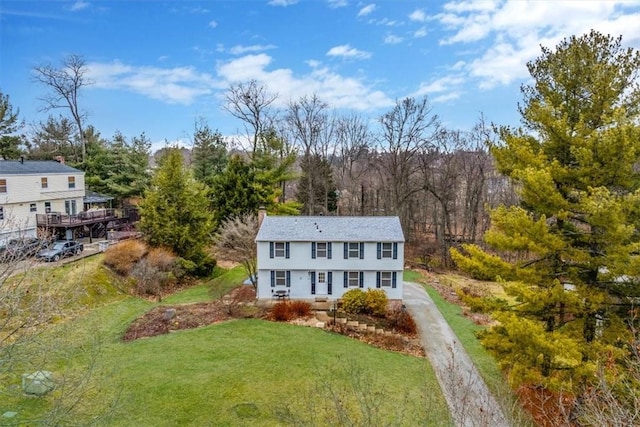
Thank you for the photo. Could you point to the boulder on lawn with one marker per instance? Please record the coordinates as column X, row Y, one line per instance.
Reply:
column 37, row 384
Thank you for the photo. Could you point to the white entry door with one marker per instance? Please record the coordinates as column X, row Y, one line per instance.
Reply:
column 321, row 283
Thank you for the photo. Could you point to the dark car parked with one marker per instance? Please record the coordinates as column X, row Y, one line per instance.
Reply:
column 60, row 249
column 19, row 249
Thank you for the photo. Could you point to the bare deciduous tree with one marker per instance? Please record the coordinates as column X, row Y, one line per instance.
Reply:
column 251, row 103
column 312, row 128
column 236, row 242
column 64, row 84
column 406, row 131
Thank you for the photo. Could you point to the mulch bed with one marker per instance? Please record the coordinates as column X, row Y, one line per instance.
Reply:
column 164, row 319
column 167, row 318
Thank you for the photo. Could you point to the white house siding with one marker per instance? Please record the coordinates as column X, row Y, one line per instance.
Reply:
column 24, row 189
column 301, row 266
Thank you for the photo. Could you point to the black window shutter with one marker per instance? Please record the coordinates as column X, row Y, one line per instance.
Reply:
column 379, row 250
column 329, row 250
column 361, row 281
column 346, row 279
column 273, row 278
column 330, row 283
column 313, row 283
column 270, row 249
column 346, row 250
column 361, row 250
column 313, row 250
column 286, row 250
column 394, row 279
column 377, row 279
column 288, row 279
column 395, row 251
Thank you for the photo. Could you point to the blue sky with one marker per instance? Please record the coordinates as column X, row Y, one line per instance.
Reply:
column 157, row 66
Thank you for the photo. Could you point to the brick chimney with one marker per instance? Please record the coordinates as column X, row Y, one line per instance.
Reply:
column 59, row 159
column 262, row 212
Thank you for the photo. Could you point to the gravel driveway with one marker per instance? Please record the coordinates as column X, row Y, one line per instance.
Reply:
column 470, row 401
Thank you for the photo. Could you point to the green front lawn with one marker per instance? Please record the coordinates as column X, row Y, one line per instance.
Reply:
column 242, row 372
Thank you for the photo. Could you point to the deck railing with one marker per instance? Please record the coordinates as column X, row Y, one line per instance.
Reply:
column 86, row 217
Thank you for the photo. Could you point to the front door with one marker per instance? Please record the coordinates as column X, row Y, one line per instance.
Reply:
column 321, row 283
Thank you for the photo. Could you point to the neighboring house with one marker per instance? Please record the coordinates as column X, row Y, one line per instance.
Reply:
column 322, row 257
column 31, row 187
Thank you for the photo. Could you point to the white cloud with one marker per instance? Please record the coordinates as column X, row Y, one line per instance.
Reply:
column 179, row 85
column 393, row 39
column 213, row 24
column 79, row 5
column 346, row 51
column 420, row 32
column 505, row 35
column 283, row 3
column 241, row 50
column 367, row 10
column 337, row 3
column 337, row 90
column 418, row 15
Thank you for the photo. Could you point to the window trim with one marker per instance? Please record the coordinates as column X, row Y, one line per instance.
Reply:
column 44, row 182
column 3, row 185
column 33, row 207
column 71, row 181
column 353, row 250
column 387, row 250
column 351, row 279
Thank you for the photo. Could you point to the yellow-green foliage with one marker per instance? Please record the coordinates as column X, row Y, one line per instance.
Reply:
column 353, row 301
column 480, row 304
column 525, row 350
column 479, row 264
column 376, row 301
column 514, row 229
column 357, row 301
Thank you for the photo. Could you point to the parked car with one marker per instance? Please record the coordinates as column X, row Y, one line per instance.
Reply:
column 60, row 249
column 19, row 249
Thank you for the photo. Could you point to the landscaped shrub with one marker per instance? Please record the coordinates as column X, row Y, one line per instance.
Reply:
column 161, row 258
column 354, row 301
column 400, row 320
column 124, row 255
column 281, row 312
column 376, row 302
column 300, row 308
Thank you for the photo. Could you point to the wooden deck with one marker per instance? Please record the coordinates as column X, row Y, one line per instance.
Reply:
column 58, row 219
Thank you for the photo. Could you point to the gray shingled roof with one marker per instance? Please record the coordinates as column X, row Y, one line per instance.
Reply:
column 331, row 228
column 16, row 167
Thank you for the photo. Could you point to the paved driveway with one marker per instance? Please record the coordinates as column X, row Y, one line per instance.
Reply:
column 470, row 401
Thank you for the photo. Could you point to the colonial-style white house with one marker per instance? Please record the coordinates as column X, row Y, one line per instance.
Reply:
column 30, row 187
column 322, row 257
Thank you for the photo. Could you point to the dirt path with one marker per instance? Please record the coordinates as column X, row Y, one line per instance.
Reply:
column 470, row 401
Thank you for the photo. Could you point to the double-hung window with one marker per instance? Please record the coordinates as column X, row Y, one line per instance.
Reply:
column 44, row 182
column 353, row 250
column 3, row 185
column 72, row 181
column 321, row 250
column 387, row 250
column 386, row 279
column 280, row 278
column 278, row 249
column 353, row 279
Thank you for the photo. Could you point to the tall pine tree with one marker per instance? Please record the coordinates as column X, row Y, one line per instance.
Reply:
column 566, row 252
column 175, row 212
